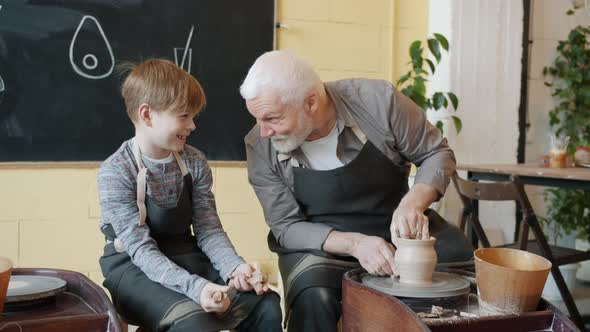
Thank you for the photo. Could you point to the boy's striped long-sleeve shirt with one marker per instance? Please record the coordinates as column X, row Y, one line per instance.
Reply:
column 117, row 189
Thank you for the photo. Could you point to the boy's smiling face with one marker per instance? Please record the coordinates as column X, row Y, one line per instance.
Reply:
column 167, row 131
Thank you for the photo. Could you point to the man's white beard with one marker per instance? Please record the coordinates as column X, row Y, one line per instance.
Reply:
column 288, row 143
column 285, row 143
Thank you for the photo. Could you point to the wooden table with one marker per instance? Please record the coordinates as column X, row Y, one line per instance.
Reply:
column 83, row 306
column 532, row 174
column 529, row 174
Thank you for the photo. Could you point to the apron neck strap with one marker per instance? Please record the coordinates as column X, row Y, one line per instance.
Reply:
column 137, row 154
column 181, row 164
column 359, row 133
column 141, row 183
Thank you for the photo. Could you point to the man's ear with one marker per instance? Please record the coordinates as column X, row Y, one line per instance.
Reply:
column 144, row 114
column 312, row 102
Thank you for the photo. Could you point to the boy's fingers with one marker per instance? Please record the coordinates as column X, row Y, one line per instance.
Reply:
column 243, row 283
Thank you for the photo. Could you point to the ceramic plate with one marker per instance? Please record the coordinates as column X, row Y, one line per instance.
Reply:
column 33, row 287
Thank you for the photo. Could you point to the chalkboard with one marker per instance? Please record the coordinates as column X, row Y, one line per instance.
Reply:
column 59, row 88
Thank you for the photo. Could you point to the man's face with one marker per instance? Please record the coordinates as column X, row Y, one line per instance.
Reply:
column 286, row 126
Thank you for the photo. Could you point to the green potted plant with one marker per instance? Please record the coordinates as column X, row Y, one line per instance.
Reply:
column 569, row 210
column 413, row 83
column 570, row 83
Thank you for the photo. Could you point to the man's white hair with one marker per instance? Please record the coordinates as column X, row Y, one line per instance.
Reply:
column 283, row 73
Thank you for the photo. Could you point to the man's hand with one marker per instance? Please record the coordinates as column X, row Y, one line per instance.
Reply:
column 409, row 223
column 375, row 255
column 214, row 298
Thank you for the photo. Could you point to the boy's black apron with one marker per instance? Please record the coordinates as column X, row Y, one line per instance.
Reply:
column 149, row 304
column 358, row 197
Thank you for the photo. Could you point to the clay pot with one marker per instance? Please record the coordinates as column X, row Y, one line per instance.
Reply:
column 415, row 260
column 5, row 271
column 509, row 280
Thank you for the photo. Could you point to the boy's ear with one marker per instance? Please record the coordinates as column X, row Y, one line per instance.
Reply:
column 144, row 114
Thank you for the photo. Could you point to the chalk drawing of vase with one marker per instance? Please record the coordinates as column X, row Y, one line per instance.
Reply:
column 89, row 67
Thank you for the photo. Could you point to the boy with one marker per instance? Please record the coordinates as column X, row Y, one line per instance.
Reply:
column 152, row 190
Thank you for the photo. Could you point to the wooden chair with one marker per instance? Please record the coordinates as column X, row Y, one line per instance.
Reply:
column 471, row 192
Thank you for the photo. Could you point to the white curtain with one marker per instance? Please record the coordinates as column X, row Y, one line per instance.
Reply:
column 483, row 70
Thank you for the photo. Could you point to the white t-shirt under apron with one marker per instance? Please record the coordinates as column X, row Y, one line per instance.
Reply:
column 321, row 153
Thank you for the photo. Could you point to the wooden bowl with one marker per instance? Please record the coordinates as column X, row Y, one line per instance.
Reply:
column 5, row 272
column 509, row 280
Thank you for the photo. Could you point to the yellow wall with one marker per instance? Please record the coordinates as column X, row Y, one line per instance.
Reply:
column 411, row 23
column 49, row 215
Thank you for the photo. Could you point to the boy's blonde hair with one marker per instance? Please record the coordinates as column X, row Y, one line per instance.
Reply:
column 163, row 86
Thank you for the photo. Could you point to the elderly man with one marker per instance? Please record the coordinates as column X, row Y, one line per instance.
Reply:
column 329, row 163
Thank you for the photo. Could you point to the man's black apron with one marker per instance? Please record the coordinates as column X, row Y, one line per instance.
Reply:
column 149, row 304
column 358, row 197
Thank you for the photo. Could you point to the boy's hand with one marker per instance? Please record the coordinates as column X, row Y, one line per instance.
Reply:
column 246, row 278
column 240, row 277
column 214, row 298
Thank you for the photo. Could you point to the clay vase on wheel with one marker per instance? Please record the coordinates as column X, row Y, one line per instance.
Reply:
column 415, row 260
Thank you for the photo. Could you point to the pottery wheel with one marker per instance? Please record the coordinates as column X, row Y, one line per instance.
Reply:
column 443, row 285
column 33, row 287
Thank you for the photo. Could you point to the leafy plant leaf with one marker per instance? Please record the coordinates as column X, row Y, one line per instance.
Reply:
column 434, row 47
column 458, row 123
column 417, row 62
column 438, row 100
column 431, row 65
column 416, row 50
column 454, row 100
column 439, row 125
column 443, row 41
column 420, row 71
column 404, row 78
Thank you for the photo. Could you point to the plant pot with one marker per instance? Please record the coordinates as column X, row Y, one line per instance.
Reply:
column 551, row 292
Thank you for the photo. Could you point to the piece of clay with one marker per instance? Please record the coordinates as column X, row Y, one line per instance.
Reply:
column 436, row 310
column 258, row 280
column 427, row 315
column 218, row 296
column 467, row 314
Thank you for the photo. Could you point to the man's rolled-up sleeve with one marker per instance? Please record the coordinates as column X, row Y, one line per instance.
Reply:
column 421, row 143
column 281, row 210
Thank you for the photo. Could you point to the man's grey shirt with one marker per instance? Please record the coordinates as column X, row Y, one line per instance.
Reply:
column 391, row 121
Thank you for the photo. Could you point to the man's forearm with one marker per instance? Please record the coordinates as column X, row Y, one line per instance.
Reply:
column 419, row 197
column 342, row 243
